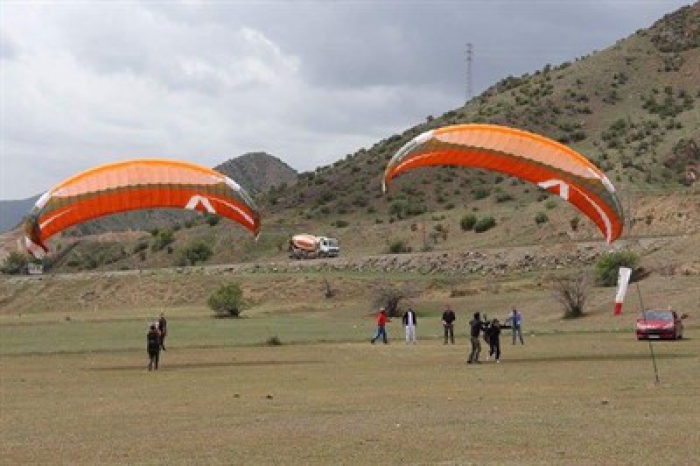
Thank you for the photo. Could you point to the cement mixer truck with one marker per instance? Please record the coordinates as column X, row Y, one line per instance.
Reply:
column 310, row 247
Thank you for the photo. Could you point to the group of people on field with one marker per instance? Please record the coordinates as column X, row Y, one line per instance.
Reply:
column 155, row 341
column 489, row 330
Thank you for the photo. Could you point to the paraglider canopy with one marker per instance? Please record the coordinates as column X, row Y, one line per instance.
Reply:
column 135, row 185
column 528, row 156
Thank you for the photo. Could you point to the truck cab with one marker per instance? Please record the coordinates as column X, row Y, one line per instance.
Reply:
column 328, row 247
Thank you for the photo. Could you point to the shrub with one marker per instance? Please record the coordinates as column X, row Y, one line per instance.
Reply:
column 608, row 264
column 398, row 208
column 481, row 193
column 399, row 246
column 571, row 292
column 484, row 224
column 14, row 264
column 162, row 239
column 467, row 223
column 541, row 218
column 550, row 204
column 504, row 197
column 391, row 296
column 575, row 222
column 197, row 251
column 227, row 301
column 341, row 223
column 273, row 341
column 212, row 219
column 140, row 246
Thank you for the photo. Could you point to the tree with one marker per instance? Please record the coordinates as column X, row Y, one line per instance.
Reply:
column 571, row 291
column 608, row 264
column 391, row 296
column 227, row 301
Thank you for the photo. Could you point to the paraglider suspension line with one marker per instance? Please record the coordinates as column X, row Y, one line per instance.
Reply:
column 651, row 346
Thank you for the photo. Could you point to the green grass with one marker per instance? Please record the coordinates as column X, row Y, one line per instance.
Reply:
column 129, row 334
column 563, row 399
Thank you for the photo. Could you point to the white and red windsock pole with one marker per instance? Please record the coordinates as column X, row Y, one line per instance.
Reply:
column 623, row 279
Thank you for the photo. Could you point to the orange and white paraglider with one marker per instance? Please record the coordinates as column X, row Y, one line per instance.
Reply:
column 134, row 185
column 531, row 157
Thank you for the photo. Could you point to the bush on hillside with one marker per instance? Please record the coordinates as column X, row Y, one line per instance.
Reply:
column 162, row 239
column 467, row 223
column 399, row 246
column 212, row 219
column 197, row 251
column 484, row 224
column 481, row 193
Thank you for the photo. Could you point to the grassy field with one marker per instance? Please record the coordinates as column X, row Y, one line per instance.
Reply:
column 77, row 392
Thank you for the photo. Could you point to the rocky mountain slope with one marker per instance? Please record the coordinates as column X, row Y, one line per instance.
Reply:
column 258, row 172
column 11, row 212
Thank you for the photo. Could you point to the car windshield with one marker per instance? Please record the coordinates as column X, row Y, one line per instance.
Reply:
column 658, row 315
column 333, row 243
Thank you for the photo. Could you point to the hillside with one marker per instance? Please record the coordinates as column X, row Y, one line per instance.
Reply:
column 11, row 212
column 258, row 172
column 633, row 108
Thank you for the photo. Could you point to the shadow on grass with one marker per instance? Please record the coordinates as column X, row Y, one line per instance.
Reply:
column 203, row 365
column 597, row 357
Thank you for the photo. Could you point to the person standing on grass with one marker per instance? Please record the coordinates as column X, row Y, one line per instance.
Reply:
column 409, row 323
column 516, row 323
column 448, row 320
column 475, row 328
column 493, row 332
column 163, row 329
column 153, row 347
column 381, row 327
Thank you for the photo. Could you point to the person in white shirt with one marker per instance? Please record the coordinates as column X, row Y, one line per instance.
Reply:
column 409, row 323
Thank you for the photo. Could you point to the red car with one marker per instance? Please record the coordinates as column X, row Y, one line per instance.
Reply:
column 660, row 325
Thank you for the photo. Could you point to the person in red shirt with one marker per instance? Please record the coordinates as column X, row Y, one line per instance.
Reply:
column 381, row 327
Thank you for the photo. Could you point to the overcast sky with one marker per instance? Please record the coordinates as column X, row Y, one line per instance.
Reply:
column 85, row 83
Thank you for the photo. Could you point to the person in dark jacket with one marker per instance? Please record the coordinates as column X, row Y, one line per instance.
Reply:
column 475, row 328
column 409, row 323
column 448, row 319
column 493, row 333
column 163, row 329
column 153, row 347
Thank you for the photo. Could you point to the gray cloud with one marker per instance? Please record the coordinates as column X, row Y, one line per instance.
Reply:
column 308, row 81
